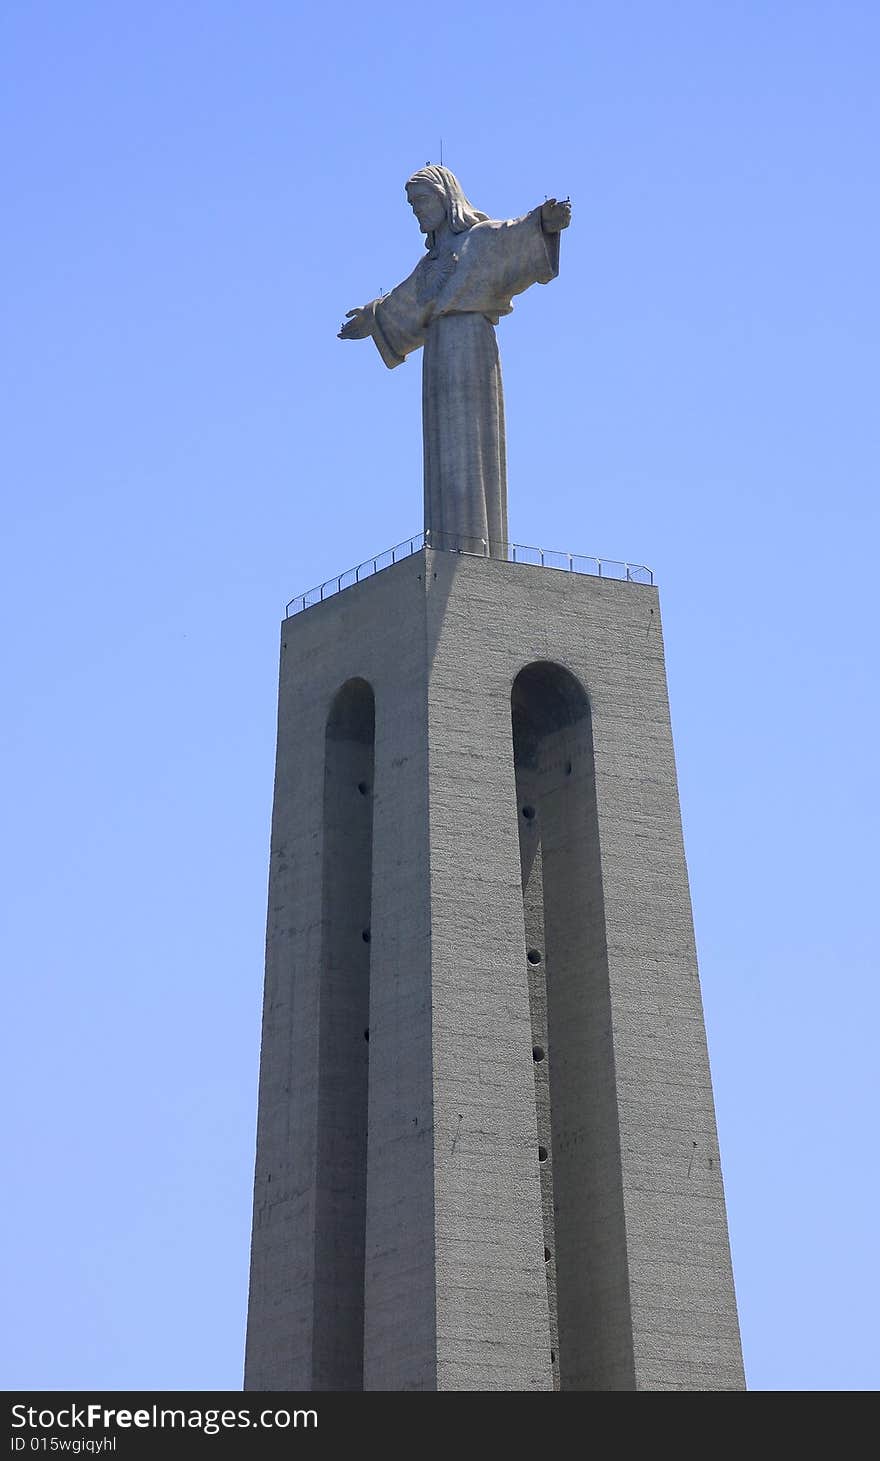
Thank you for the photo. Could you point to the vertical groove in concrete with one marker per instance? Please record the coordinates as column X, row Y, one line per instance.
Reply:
column 531, row 862
column 584, row 1230
column 343, row 1045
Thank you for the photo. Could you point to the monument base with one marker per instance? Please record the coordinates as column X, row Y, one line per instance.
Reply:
column 486, row 1154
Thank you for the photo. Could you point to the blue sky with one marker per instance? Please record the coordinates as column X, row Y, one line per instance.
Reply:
column 196, row 193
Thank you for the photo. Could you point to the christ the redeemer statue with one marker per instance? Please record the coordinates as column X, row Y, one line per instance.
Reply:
column 451, row 303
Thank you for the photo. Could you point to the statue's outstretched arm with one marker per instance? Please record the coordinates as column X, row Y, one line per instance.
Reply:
column 555, row 215
column 394, row 320
column 364, row 322
column 360, row 324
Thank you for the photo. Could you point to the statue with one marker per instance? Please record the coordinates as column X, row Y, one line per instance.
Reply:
column 450, row 304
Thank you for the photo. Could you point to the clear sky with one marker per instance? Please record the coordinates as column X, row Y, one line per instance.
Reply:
column 195, row 193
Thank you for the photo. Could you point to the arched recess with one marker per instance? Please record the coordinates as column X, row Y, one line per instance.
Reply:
column 567, row 970
column 343, row 1050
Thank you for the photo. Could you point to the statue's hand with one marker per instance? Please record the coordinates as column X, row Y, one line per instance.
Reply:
column 555, row 216
column 359, row 325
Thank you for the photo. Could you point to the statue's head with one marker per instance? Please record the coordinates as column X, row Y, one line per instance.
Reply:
column 435, row 195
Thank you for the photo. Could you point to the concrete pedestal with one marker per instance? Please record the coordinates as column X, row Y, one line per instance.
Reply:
column 486, row 1154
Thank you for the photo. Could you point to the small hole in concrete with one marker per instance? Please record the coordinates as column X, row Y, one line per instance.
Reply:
column 533, row 956
column 568, row 768
column 537, row 1053
column 553, row 1356
column 528, row 812
column 367, row 1036
column 363, row 788
column 542, row 1154
column 547, row 1255
column 366, row 935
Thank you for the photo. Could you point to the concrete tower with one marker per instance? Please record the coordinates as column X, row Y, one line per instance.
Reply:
column 486, row 1152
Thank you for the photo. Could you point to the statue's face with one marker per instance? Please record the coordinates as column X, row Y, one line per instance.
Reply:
column 427, row 205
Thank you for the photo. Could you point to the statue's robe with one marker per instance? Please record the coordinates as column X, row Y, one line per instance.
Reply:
column 450, row 304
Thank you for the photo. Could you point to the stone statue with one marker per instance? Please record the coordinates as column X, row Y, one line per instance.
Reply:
column 450, row 304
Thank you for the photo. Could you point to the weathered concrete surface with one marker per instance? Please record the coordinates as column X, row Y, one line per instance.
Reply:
column 455, row 1288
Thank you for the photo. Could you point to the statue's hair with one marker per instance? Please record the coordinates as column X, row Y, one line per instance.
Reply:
column 461, row 214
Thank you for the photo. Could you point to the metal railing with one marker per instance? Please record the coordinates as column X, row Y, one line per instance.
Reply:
column 471, row 548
